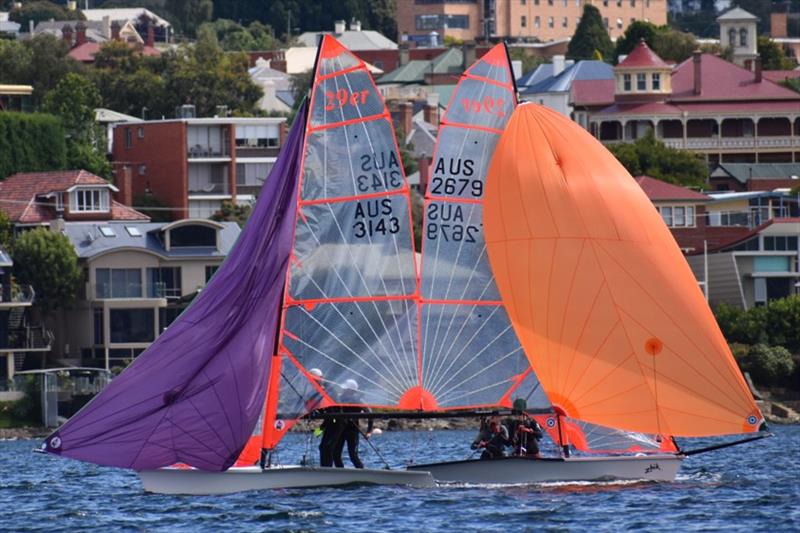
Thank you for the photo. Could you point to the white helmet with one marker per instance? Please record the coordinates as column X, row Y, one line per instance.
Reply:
column 315, row 373
column 350, row 384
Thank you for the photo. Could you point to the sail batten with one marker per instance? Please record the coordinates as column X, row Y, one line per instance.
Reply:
column 600, row 296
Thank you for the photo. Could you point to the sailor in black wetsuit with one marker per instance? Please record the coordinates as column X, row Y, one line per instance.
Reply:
column 493, row 438
column 351, row 430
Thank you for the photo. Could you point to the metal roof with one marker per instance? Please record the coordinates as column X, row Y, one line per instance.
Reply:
column 582, row 70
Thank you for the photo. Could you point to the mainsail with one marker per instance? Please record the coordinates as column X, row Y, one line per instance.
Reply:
column 470, row 353
column 601, row 298
column 349, row 310
column 195, row 395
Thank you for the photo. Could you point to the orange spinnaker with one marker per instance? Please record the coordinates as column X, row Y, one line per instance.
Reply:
column 604, row 304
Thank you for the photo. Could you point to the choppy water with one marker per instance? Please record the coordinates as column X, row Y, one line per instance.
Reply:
column 754, row 487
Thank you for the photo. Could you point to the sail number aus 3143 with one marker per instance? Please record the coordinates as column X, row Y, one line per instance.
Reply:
column 375, row 217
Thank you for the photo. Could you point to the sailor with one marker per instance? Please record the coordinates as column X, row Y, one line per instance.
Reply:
column 492, row 438
column 526, row 432
column 314, row 398
column 351, row 431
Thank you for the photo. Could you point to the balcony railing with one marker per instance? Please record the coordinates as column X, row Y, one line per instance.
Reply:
column 32, row 338
column 208, row 187
column 199, row 151
column 730, row 143
column 16, row 294
column 108, row 291
column 749, row 218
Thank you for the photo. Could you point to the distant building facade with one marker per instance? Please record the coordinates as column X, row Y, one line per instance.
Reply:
column 544, row 20
column 194, row 164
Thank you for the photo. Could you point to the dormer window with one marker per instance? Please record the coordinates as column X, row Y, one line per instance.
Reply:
column 656, row 81
column 626, row 82
column 641, row 81
column 89, row 201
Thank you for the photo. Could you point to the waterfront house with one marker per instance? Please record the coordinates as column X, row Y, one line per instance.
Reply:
column 23, row 343
column 138, row 277
column 739, row 177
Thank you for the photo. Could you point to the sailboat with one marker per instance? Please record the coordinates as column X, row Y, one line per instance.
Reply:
column 321, row 305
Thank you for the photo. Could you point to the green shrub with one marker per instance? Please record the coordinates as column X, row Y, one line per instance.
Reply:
column 770, row 365
column 30, row 142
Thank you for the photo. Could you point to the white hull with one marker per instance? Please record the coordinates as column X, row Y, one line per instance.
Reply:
column 520, row 470
column 200, row 482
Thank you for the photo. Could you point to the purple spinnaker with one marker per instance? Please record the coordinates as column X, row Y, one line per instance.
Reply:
column 195, row 395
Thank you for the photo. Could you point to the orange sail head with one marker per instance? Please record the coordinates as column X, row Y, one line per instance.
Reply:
column 604, row 304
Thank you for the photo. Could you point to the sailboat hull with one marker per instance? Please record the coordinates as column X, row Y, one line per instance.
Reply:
column 200, row 482
column 521, row 470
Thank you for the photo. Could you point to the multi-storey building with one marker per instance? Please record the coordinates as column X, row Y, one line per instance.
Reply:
column 705, row 104
column 542, row 20
column 194, row 164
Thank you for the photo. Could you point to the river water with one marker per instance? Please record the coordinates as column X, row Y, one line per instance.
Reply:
column 753, row 487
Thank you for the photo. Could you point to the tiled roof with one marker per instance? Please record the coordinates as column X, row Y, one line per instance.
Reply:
column 85, row 52
column 18, row 195
column 648, row 108
column 661, row 190
column 642, row 57
column 722, row 80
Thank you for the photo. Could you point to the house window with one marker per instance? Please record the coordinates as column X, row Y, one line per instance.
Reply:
column 118, row 283
column 549, row 2
column 619, row 23
column 550, row 22
column 641, row 82
column 565, row 22
column 633, row 3
column 666, row 214
column 192, row 235
column 210, row 271
column 164, row 282
column 743, row 37
column 262, row 136
column 626, row 82
column 619, row 3
column 537, row 23
column 107, row 231
column 676, row 216
column 605, row 3
column 523, row 21
column 522, row 2
column 566, row 2
column 89, row 201
column 605, row 22
column 59, row 201
column 128, row 138
column 141, row 133
column 732, row 37
column 656, row 81
column 132, row 325
column 142, row 170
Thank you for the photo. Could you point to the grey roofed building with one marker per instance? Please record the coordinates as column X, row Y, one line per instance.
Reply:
column 449, row 62
column 562, row 82
column 422, row 137
column 91, row 239
column 97, row 31
column 737, row 13
column 744, row 172
column 354, row 39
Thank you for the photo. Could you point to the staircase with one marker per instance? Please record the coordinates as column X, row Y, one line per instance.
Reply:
column 15, row 318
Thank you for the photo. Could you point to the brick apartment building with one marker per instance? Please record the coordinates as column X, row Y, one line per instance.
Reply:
column 194, row 164
column 542, row 20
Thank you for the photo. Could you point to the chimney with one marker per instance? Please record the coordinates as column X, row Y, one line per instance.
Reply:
column 80, row 33
column 339, row 26
column 106, row 30
column 151, row 34
column 355, row 25
column 758, row 69
column 115, row 30
column 424, row 165
column 469, row 53
column 406, row 112
column 430, row 114
column 124, row 183
column 696, row 60
column 404, row 53
column 558, row 64
column 66, row 31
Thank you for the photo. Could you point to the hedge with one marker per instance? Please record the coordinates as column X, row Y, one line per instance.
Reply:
column 31, row 142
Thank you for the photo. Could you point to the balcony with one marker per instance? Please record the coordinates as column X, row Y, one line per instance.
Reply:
column 12, row 295
column 209, row 179
column 28, row 339
column 108, row 291
column 199, row 151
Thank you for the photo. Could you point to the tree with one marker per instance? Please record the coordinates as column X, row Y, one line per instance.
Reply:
column 529, row 62
column 772, row 55
column 6, row 230
column 652, row 157
column 31, row 142
column 636, row 31
column 56, row 286
column 232, row 212
column 74, row 100
column 590, row 35
column 669, row 44
column 189, row 15
column 40, row 11
column 150, row 205
column 769, row 365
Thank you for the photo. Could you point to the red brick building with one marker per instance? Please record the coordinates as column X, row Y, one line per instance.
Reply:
column 194, row 164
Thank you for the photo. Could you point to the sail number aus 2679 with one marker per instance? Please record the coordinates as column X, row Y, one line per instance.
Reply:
column 374, row 217
column 446, row 221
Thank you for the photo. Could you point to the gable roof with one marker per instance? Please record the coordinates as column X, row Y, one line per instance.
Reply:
column 743, row 172
column 18, row 195
column 642, row 57
column 737, row 13
column 451, row 61
column 352, row 40
column 722, row 80
column 124, row 13
column 661, row 190
column 582, row 70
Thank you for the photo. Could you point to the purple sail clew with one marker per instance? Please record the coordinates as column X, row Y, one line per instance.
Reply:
column 195, row 395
